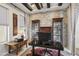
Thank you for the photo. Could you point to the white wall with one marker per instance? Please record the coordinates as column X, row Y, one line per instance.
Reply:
column 77, row 34
column 69, row 29
column 11, row 10
column 71, row 16
column 77, row 27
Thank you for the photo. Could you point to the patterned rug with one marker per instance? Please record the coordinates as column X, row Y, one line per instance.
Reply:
column 39, row 51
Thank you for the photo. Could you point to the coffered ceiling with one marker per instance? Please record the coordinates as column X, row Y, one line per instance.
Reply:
column 42, row 7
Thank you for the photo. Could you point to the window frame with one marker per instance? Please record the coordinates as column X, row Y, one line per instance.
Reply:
column 7, row 25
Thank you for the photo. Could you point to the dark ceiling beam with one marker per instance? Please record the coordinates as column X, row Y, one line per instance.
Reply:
column 41, row 5
column 37, row 5
column 48, row 5
column 59, row 4
column 27, row 6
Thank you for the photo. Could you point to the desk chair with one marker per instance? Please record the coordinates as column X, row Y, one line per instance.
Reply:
column 44, row 40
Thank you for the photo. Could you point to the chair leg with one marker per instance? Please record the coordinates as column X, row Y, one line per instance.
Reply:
column 58, row 52
column 9, row 49
column 46, row 51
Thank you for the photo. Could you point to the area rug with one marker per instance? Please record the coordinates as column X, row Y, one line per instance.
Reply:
column 39, row 51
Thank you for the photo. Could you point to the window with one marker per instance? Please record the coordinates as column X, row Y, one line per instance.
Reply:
column 35, row 28
column 22, row 25
column 57, row 30
column 3, row 33
column 3, row 24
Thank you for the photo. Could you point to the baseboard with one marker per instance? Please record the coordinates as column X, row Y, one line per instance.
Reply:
column 65, row 49
column 4, row 54
column 67, row 52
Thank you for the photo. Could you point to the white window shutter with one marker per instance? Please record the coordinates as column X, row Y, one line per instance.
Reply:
column 3, row 16
column 3, row 24
column 21, row 21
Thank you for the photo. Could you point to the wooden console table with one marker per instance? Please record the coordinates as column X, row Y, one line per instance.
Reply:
column 16, row 46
